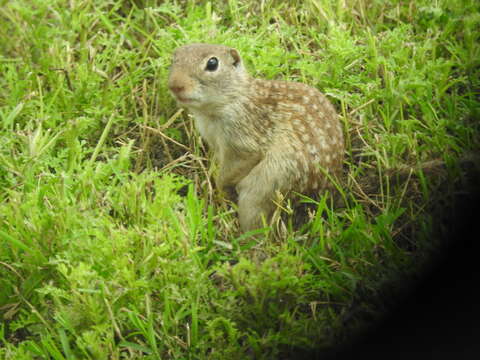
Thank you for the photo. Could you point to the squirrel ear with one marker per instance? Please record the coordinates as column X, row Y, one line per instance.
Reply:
column 236, row 57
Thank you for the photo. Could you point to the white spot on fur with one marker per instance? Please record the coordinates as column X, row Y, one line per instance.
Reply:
column 312, row 149
column 323, row 144
column 319, row 132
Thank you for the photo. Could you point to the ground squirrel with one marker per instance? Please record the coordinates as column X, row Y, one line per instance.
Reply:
column 269, row 137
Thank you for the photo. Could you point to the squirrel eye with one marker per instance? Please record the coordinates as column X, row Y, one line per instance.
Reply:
column 212, row 64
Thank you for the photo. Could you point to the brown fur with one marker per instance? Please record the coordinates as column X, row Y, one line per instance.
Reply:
column 268, row 136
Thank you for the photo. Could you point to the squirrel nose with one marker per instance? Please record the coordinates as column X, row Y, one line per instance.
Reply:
column 176, row 88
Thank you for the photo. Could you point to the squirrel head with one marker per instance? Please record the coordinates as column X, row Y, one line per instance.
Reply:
column 203, row 75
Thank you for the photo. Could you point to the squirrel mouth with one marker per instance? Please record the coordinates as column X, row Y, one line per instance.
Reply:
column 183, row 99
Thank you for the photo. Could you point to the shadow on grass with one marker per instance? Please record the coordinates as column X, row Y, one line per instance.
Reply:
column 436, row 312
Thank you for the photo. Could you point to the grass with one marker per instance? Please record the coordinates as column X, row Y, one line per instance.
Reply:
column 113, row 240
